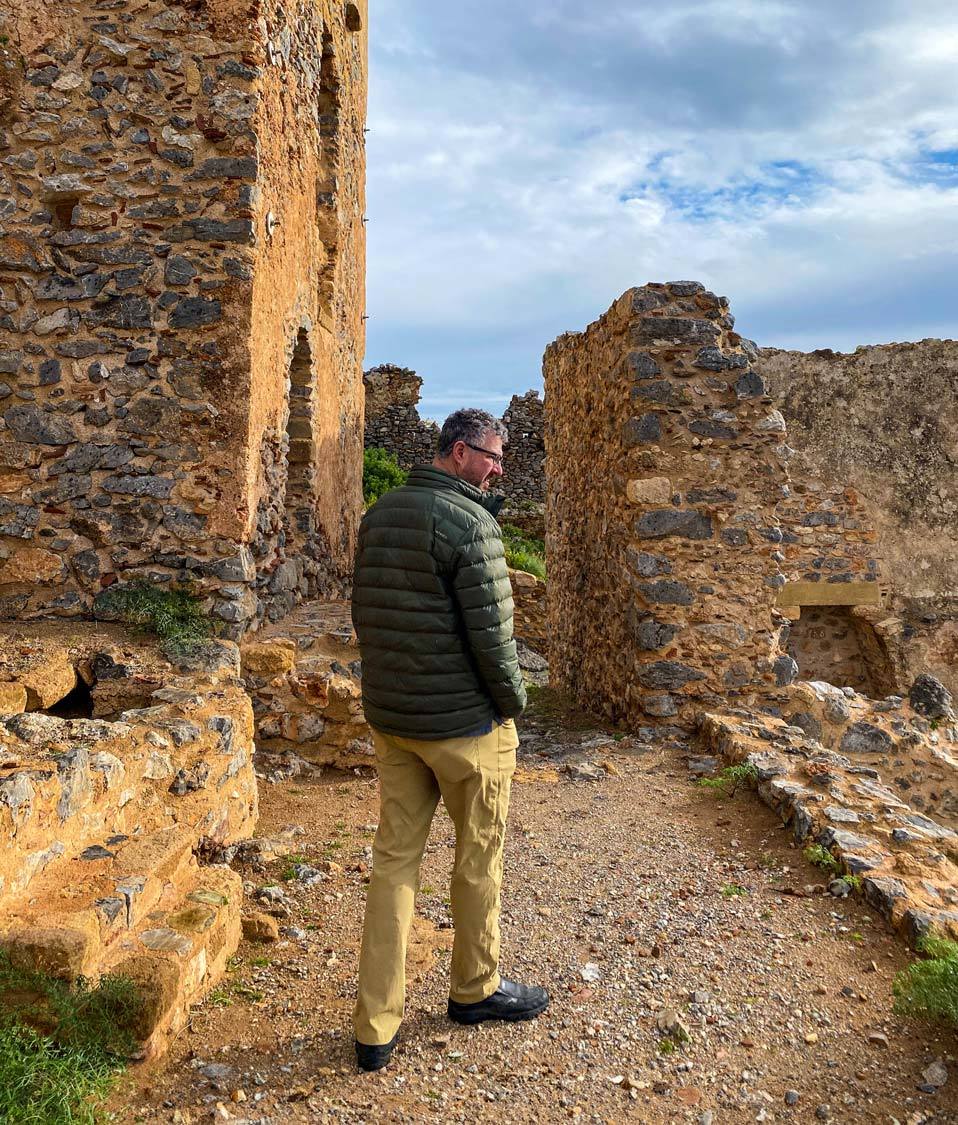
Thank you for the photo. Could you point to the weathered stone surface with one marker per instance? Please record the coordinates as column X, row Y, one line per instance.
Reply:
column 132, row 239
column 651, row 490
column 651, row 634
column 864, row 738
column 13, row 699
column 929, row 697
column 647, row 565
column 668, row 522
column 31, row 565
column 670, row 674
column 667, row 591
column 32, row 425
column 268, row 658
column 642, row 430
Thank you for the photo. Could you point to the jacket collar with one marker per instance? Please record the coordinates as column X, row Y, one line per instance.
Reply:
column 428, row 476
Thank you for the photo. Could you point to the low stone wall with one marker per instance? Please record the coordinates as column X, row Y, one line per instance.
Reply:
column 303, row 676
column 100, row 817
column 873, row 784
column 392, row 420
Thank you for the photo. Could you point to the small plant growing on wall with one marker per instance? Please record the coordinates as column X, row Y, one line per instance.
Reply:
column 175, row 616
column 823, row 858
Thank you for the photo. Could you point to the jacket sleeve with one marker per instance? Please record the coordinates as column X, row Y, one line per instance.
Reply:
column 484, row 595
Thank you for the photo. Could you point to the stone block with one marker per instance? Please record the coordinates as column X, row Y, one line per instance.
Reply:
column 650, row 490
column 822, row 593
column 13, row 698
column 32, row 566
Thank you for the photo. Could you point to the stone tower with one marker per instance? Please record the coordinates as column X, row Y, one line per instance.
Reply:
column 181, row 301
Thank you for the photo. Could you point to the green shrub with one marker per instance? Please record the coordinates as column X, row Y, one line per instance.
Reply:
column 928, row 989
column 823, row 858
column 731, row 779
column 381, row 472
column 175, row 616
column 524, row 552
column 61, row 1046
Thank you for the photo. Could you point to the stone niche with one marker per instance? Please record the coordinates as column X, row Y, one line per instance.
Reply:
column 181, row 301
column 666, row 468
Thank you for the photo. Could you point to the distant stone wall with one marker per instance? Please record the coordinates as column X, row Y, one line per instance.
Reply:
column 666, row 470
column 181, row 300
column 392, row 420
column 882, row 423
column 525, row 473
column 393, row 423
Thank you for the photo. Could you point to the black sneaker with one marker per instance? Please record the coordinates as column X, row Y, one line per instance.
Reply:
column 510, row 1001
column 375, row 1057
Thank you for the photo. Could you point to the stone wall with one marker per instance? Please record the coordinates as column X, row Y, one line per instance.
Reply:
column 181, row 289
column 393, row 423
column 392, row 419
column 525, row 476
column 883, row 421
column 663, row 533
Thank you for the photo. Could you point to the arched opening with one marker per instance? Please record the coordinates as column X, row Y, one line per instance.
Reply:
column 299, row 500
column 354, row 19
column 835, row 644
column 327, row 185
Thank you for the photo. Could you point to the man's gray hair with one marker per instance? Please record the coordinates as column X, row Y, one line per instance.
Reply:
column 469, row 425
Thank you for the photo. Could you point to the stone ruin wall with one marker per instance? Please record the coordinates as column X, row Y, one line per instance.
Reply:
column 393, row 423
column 524, row 481
column 664, row 569
column 883, row 419
column 392, row 420
column 181, row 291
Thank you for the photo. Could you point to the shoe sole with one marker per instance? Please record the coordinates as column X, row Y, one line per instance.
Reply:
column 508, row 1017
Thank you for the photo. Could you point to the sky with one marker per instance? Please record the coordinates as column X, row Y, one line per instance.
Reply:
column 529, row 162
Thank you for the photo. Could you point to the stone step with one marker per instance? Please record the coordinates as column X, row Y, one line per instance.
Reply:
column 178, row 954
column 72, row 914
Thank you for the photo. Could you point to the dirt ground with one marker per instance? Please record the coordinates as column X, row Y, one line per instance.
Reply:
column 639, row 900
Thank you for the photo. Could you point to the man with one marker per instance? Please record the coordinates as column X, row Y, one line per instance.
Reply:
column 432, row 606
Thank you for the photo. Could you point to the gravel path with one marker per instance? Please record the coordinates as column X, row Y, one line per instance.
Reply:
column 693, row 979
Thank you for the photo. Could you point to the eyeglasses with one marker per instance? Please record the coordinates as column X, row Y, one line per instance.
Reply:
column 496, row 458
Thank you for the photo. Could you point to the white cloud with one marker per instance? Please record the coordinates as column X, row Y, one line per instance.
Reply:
column 527, row 164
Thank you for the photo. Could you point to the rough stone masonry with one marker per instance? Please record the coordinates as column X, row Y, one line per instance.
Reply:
column 393, row 423
column 663, row 531
column 181, row 300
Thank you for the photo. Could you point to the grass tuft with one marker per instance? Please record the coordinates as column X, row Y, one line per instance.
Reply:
column 928, row 989
column 523, row 552
column 175, row 616
column 61, row 1046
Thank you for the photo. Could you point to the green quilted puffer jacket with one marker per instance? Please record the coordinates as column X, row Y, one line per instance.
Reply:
column 432, row 607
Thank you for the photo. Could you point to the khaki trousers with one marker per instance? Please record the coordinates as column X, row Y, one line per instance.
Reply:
column 473, row 776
